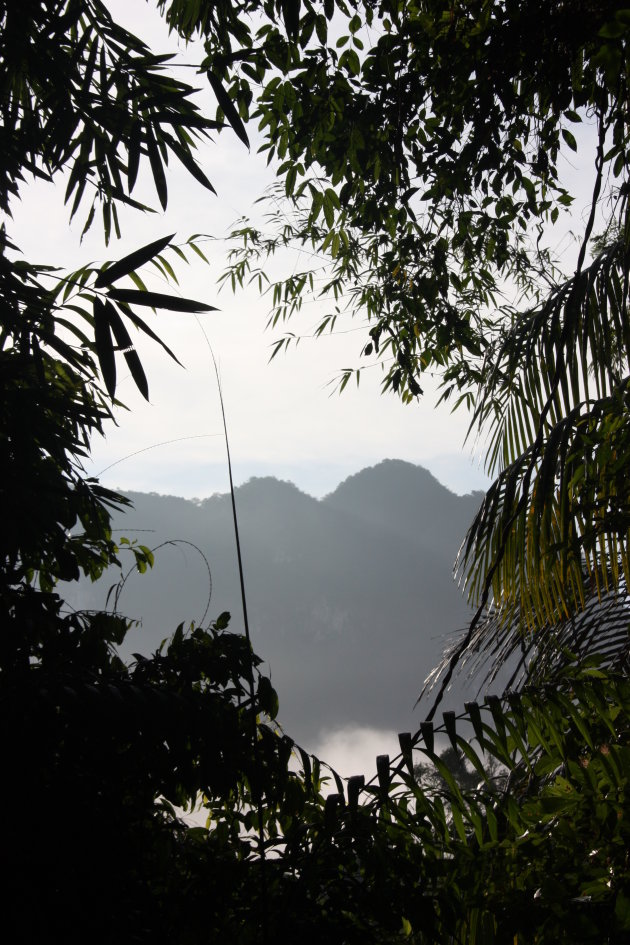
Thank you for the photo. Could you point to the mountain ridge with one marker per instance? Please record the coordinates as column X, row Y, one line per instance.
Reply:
column 350, row 597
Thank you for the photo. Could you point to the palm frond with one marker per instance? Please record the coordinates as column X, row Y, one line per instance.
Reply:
column 555, row 524
column 600, row 634
column 573, row 347
column 555, row 521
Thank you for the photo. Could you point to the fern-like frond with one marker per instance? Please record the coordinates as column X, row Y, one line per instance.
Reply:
column 573, row 347
column 554, row 526
column 600, row 633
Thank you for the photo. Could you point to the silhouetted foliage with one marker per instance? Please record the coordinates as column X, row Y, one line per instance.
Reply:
column 424, row 149
column 469, row 101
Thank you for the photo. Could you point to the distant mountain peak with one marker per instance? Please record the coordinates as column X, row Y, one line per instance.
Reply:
column 350, row 597
column 256, row 483
column 388, row 471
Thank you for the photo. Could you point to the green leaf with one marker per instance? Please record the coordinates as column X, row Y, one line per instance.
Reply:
column 406, row 749
column 158, row 300
column 142, row 325
column 622, row 910
column 569, row 138
column 189, row 163
column 126, row 345
column 449, row 724
column 104, row 346
column 133, row 159
column 426, row 729
column 289, row 184
column 620, row 163
column 350, row 60
column 130, row 263
column 291, row 17
column 458, row 822
column 329, row 211
column 157, row 169
column 197, row 250
column 227, row 107
column 306, row 767
column 267, row 697
column 474, row 714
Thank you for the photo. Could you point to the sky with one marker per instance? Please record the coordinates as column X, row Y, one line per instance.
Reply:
column 283, row 418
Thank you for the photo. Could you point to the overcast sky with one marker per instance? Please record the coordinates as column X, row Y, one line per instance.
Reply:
column 283, row 419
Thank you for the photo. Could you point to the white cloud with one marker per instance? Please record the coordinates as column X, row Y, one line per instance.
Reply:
column 353, row 750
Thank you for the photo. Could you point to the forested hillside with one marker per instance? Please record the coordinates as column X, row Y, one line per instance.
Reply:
column 351, row 598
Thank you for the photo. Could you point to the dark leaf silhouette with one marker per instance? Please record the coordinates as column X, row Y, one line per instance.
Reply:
column 159, row 300
column 131, row 262
column 227, row 106
column 104, row 345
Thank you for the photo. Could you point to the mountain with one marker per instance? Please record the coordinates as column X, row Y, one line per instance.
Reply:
column 350, row 598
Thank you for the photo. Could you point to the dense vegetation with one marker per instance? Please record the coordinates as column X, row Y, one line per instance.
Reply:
column 420, row 147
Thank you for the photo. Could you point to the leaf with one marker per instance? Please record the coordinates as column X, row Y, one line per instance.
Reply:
column 329, row 211
column 104, row 346
column 228, row 108
column 382, row 770
column 291, row 16
column 427, row 734
column 126, row 345
column 406, row 747
column 474, row 714
column 289, row 185
column 267, row 697
column 189, row 163
column 157, row 169
column 130, row 263
column 118, row 194
column 142, row 325
column 158, row 300
column 458, row 822
column 622, row 910
column 196, row 249
column 330, row 809
column 133, row 159
column 449, row 724
column 350, row 60
column 306, row 767
column 356, row 783
column 569, row 138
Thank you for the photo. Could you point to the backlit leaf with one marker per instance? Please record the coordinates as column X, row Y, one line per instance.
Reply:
column 159, row 300
column 131, row 262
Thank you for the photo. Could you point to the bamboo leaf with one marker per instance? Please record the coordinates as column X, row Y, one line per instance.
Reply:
column 104, row 346
column 227, row 107
column 158, row 300
column 157, row 169
column 189, row 163
column 142, row 325
column 126, row 345
column 130, row 263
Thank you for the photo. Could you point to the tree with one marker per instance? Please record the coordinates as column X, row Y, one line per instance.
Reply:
column 422, row 149
column 99, row 752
